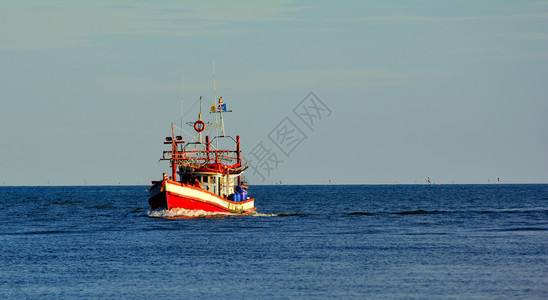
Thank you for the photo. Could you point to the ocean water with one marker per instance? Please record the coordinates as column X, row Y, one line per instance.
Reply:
column 351, row 242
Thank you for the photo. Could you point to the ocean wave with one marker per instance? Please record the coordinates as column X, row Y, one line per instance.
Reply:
column 40, row 232
column 458, row 211
column 287, row 215
column 416, row 212
column 524, row 229
column 405, row 212
column 512, row 210
column 256, row 214
column 359, row 213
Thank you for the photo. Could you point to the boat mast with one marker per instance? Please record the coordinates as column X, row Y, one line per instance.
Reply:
column 200, row 118
column 182, row 90
column 222, row 123
column 216, row 104
column 174, row 154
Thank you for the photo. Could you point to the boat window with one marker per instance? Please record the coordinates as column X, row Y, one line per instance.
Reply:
column 212, row 179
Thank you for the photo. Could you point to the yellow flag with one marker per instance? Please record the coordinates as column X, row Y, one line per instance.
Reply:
column 212, row 108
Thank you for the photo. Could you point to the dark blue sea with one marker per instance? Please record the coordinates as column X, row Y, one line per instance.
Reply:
column 349, row 242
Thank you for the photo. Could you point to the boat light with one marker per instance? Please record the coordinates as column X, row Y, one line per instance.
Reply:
column 168, row 139
column 179, row 138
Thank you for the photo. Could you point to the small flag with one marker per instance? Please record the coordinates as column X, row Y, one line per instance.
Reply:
column 221, row 100
column 221, row 107
column 212, row 108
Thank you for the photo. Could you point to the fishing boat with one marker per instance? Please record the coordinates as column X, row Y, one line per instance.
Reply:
column 206, row 171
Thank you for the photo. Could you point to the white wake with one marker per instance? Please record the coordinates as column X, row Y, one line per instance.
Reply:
column 181, row 213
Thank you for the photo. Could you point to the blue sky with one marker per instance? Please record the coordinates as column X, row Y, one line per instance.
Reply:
column 451, row 90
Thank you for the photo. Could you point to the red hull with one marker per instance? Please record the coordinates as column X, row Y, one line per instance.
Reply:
column 171, row 196
column 177, row 201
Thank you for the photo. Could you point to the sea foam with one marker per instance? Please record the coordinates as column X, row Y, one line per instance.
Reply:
column 181, row 213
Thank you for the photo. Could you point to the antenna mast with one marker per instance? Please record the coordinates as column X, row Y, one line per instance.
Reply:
column 200, row 118
column 182, row 90
column 214, row 89
column 217, row 102
column 222, row 123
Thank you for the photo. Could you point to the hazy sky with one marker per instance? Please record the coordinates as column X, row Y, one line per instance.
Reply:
column 452, row 90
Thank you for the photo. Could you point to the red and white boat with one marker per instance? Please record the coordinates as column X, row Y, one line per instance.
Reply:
column 206, row 173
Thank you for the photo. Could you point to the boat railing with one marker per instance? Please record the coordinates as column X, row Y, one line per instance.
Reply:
column 199, row 154
column 224, row 157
